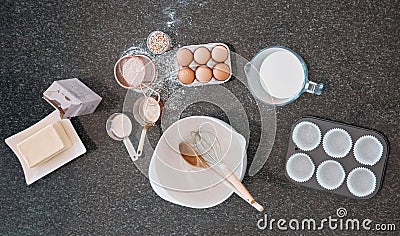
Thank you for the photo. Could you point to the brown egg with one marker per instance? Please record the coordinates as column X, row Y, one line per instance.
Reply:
column 203, row 74
column 219, row 53
column 221, row 71
column 186, row 75
column 202, row 55
column 184, row 57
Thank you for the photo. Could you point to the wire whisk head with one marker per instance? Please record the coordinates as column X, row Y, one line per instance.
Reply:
column 207, row 144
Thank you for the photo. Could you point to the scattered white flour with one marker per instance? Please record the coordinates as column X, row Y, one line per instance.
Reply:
column 137, row 49
column 170, row 14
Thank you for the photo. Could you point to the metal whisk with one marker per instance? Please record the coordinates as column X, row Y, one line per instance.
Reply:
column 208, row 145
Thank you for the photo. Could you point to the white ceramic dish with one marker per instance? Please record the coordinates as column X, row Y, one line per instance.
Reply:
column 35, row 173
column 191, row 195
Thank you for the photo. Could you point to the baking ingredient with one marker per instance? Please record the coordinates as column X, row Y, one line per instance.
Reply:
column 44, row 144
column 282, row 75
column 186, row 75
column 221, row 71
column 219, row 53
column 133, row 71
column 146, row 110
column 72, row 98
column 202, row 55
column 184, row 57
column 203, row 74
column 152, row 110
column 121, row 125
column 158, row 42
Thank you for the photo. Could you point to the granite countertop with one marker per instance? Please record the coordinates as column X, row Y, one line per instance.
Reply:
column 351, row 45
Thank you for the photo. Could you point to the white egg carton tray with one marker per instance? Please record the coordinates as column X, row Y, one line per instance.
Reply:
column 211, row 63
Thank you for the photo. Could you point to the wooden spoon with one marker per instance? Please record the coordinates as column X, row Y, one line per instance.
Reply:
column 192, row 157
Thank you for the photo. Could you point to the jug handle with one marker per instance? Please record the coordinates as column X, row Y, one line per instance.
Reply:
column 314, row 88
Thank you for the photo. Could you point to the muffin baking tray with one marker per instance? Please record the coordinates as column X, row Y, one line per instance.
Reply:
column 336, row 157
column 210, row 61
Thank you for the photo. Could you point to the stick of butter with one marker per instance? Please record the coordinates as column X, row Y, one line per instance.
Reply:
column 44, row 144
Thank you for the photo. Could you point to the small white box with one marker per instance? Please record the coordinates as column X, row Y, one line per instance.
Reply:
column 72, row 98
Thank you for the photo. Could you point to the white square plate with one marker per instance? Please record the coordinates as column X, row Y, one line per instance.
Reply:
column 37, row 172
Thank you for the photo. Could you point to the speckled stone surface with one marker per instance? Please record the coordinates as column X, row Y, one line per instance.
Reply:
column 352, row 45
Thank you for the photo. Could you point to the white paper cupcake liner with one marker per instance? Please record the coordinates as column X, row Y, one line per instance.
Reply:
column 361, row 182
column 300, row 167
column 306, row 135
column 330, row 174
column 368, row 150
column 337, row 143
